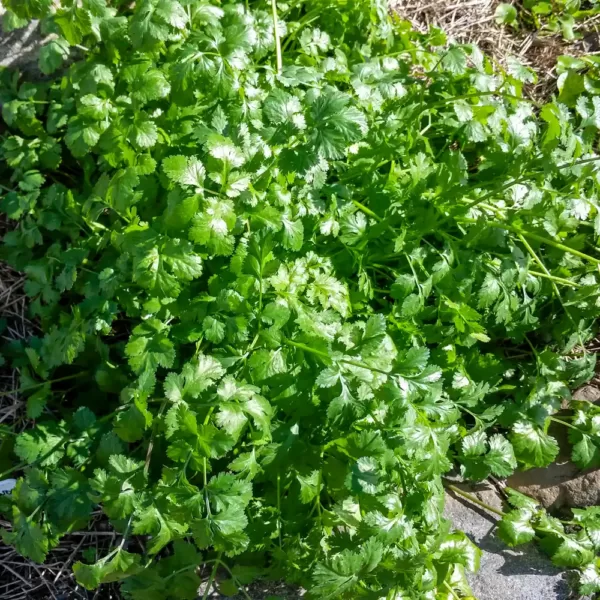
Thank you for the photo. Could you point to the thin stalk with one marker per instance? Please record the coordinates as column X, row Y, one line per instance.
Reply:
column 212, row 576
column 538, row 260
column 52, row 450
column 452, row 592
column 561, row 422
column 125, row 534
column 499, row 190
column 353, row 363
column 318, row 498
column 578, row 163
column 245, row 594
column 542, row 239
column 372, row 214
column 367, row 211
column 306, row 20
column 477, row 95
column 279, row 511
column 475, row 500
column 278, row 54
column 556, row 279
column 152, row 436
column 38, row 385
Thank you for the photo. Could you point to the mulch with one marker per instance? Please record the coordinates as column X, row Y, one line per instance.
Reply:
column 473, row 21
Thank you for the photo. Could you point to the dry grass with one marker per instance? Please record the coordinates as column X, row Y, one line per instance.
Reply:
column 22, row 579
column 16, row 326
column 473, row 21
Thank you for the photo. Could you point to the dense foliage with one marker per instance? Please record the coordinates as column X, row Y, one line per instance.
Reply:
column 291, row 264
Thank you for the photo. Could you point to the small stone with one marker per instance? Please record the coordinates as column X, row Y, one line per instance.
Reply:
column 561, row 485
column 588, row 392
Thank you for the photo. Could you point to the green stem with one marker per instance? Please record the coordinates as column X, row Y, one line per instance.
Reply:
column 475, row 500
column 367, row 211
column 556, row 279
column 38, row 385
column 577, row 163
column 542, row 240
column 452, row 592
column 152, row 436
column 561, row 422
column 538, row 260
column 52, row 450
column 497, row 191
column 212, row 576
column 307, row 19
column 353, row 363
column 238, row 583
column 372, row 214
column 318, row 498
column 279, row 511
column 278, row 54
column 477, row 95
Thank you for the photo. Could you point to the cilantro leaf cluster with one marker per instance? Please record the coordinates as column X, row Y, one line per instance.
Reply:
column 291, row 265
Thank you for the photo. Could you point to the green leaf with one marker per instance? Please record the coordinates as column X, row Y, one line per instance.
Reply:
column 474, row 444
column 151, row 520
column 81, row 137
column 224, row 531
column 214, row 330
column 573, row 553
column 121, row 565
column 143, row 133
column 184, row 170
column 455, row 60
column 586, row 452
column 506, row 14
column 45, row 441
column 335, row 124
column 310, row 486
column 571, row 86
column 589, row 581
column 532, row 446
column 195, row 377
column 37, row 401
column 154, row 21
column 150, row 348
column 363, row 476
column 212, row 227
column 293, row 234
column 53, row 55
column 338, row 576
column 27, row 537
column 458, row 548
column 164, row 267
column 500, row 457
column 515, row 527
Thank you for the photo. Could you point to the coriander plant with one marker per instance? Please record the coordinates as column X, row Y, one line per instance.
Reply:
column 291, row 265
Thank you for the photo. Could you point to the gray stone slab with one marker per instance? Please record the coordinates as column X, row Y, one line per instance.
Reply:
column 19, row 48
column 505, row 573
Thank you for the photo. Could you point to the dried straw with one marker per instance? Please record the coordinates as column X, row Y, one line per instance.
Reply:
column 473, row 21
